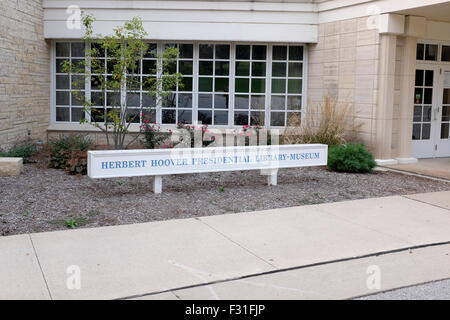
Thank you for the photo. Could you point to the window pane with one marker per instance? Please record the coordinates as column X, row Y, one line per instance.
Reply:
column 205, row 84
column 221, row 84
column 186, row 84
column 258, row 69
column 62, row 114
column 416, row 131
column 97, row 98
column 222, row 68
column 205, row 101
column 445, row 131
column 205, row 67
column 242, row 85
column 295, row 53
column 63, row 49
column 445, row 53
column 278, row 86
column 278, row 69
column 62, row 98
column 428, row 96
column 148, row 101
column 133, row 99
column 256, row 118
column 77, row 114
column 59, row 65
column 426, row 114
column 185, row 100
column 98, row 114
column 277, row 119
column 78, row 49
column 277, row 103
column 185, row 67
column 133, row 115
column 417, row 114
column 186, row 50
column 185, row 116
column 221, row 117
column 259, row 52
column 420, row 50
column 62, row 82
column 279, row 53
column 295, row 69
column 78, row 82
column 151, row 51
column 294, row 102
column 258, row 85
column 294, row 86
column 241, row 118
column 431, row 52
column 170, row 101
column 206, row 51
column 78, row 98
column 222, row 51
column 446, row 113
column 446, row 99
column 258, row 102
column 419, row 78
column 429, row 78
column 221, row 101
column 241, row 102
column 112, row 99
column 418, row 95
column 242, row 68
column 243, row 52
column 426, row 131
column 168, row 116
column 205, row 116
column 149, row 67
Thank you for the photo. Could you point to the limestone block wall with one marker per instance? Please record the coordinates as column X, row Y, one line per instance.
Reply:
column 344, row 65
column 24, row 72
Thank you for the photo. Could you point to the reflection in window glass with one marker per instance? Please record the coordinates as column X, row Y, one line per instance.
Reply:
column 218, row 79
column 251, row 68
column 214, row 71
column 286, row 84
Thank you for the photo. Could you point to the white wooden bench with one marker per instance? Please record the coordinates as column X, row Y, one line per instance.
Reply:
column 161, row 162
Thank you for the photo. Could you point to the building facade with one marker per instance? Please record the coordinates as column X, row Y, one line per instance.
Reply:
column 245, row 62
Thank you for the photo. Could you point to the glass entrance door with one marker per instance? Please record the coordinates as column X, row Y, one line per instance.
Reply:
column 431, row 120
column 424, row 124
column 443, row 115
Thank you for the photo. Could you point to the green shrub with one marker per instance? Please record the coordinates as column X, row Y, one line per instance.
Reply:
column 70, row 153
column 353, row 158
column 22, row 150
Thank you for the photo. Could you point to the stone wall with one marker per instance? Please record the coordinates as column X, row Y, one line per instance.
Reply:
column 24, row 72
column 344, row 65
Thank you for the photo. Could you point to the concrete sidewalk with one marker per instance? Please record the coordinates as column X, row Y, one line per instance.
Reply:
column 150, row 258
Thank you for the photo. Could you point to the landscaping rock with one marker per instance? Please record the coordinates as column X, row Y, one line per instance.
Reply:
column 10, row 166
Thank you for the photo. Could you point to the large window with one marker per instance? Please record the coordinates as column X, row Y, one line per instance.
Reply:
column 224, row 84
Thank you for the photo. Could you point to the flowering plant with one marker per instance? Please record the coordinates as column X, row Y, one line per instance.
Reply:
column 192, row 129
column 151, row 131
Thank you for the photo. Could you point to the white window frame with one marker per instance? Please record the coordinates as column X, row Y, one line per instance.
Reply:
column 195, row 78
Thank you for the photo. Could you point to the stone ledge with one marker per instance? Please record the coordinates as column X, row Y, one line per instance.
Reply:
column 10, row 166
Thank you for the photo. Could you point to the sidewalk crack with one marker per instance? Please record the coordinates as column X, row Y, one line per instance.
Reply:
column 421, row 201
column 40, row 267
column 236, row 243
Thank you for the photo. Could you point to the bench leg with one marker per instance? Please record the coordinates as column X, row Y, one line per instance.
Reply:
column 271, row 176
column 157, row 184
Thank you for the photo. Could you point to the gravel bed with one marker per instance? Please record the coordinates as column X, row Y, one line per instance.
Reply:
column 44, row 199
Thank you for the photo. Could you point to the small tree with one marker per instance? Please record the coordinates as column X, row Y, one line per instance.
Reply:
column 120, row 55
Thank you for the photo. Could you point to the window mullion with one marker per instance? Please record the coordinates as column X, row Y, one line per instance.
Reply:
column 268, row 85
column 195, row 72
column 158, row 77
column 232, row 84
